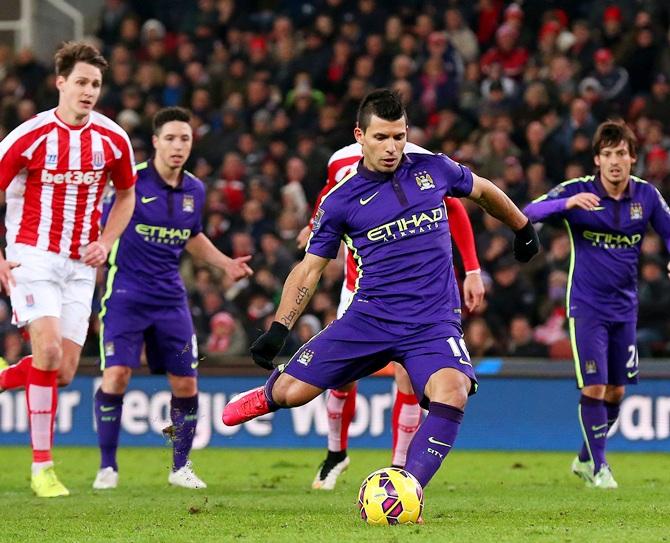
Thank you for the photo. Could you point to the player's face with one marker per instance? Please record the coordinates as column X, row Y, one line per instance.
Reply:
column 383, row 143
column 79, row 91
column 173, row 143
column 615, row 163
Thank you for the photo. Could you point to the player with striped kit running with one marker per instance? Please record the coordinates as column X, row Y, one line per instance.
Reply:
column 53, row 169
column 341, row 403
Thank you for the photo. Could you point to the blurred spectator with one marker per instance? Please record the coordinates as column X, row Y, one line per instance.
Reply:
column 480, row 339
column 510, row 295
column 658, row 104
column 506, row 52
column 521, row 342
column 460, row 35
column 306, row 328
column 226, row 335
column 614, row 81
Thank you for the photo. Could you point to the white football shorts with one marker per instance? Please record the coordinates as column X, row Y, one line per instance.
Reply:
column 51, row 285
column 346, row 297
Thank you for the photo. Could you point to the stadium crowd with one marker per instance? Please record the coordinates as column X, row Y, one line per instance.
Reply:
column 513, row 90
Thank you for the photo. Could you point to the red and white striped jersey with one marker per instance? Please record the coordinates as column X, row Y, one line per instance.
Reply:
column 54, row 175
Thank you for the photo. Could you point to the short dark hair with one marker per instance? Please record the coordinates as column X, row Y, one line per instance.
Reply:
column 72, row 52
column 168, row 114
column 611, row 133
column 384, row 103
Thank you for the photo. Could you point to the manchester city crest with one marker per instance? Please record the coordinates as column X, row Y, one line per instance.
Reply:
column 305, row 357
column 424, row 180
column 188, row 203
column 590, row 367
column 636, row 211
column 109, row 348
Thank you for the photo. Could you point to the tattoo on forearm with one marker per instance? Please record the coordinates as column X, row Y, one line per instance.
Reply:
column 286, row 320
column 484, row 204
column 303, row 294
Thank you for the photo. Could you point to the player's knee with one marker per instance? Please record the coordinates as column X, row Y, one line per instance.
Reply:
column 48, row 355
column 450, row 387
column 455, row 397
column 185, row 387
column 115, row 379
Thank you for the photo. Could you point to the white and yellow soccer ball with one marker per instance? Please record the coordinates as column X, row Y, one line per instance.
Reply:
column 390, row 496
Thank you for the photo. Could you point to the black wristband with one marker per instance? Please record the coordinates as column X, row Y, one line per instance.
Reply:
column 526, row 232
column 277, row 329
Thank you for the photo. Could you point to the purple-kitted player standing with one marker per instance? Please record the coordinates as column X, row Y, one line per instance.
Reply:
column 145, row 301
column 606, row 216
column 406, row 307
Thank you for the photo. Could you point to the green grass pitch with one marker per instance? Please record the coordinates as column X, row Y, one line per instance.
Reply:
column 265, row 496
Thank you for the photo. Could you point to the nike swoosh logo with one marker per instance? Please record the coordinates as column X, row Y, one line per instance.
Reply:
column 194, row 365
column 434, row 441
column 601, row 427
column 364, row 201
column 632, row 374
column 529, row 242
column 464, row 362
column 107, row 408
column 148, row 199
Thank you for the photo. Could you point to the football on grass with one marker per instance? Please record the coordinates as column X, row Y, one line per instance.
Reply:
column 390, row 496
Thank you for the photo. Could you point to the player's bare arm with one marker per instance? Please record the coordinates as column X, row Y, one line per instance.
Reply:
column 299, row 287
column 119, row 216
column 473, row 290
column 201, row 247
column 495, row 202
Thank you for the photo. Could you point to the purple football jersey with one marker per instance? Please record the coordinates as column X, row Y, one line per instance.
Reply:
column 144, row 262
column 606, row 243
column 396, row 227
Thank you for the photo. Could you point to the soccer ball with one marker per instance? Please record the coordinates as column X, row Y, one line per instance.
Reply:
column 390, row 496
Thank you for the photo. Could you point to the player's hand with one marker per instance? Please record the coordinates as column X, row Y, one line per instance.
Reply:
column 95, row 254
column 238, row 268
column 526, row 243
column 583, row 200
column 473, row 290
column 6, row 276
column 268, row 345
column 303, row 236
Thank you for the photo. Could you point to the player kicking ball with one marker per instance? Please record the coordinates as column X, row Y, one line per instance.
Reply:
column 606, row 216
column 341, row 403
column 145, row 300
column 390, row 212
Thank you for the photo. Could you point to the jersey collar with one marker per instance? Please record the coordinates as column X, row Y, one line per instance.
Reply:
column 161, row 182
column 627, row 194
column 380, row 176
